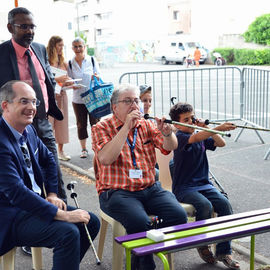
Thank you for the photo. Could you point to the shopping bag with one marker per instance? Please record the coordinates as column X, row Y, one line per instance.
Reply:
column 98, row 98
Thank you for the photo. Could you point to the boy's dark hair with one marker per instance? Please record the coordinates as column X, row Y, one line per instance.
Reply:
column 178, row 109
column 15, row 11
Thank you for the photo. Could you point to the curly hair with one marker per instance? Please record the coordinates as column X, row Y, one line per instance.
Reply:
column 53, row 57
column 179, row 109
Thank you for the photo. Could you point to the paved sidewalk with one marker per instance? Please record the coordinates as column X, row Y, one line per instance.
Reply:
column 87, row 199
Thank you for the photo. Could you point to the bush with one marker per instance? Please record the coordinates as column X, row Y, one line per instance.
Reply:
column 91, row 51
column 227, row 53
column 245, row 56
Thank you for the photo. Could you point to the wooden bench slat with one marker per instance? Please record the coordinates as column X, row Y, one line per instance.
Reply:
column 193, row 225
column 197, row 231
column 202, row 239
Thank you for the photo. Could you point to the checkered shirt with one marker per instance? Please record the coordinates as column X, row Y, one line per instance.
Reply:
column 116, row 175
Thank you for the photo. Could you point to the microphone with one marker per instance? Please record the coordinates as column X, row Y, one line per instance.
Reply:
column 147, row 116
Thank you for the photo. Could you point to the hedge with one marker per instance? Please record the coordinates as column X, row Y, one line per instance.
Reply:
column 245, row 56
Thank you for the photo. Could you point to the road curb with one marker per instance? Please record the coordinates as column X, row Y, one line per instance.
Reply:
column 237, row 247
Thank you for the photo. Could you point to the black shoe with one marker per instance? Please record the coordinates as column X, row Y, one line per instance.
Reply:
column 27, row 250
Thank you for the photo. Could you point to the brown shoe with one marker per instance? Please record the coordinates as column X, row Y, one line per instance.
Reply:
column 228, row 261
column 207, row 255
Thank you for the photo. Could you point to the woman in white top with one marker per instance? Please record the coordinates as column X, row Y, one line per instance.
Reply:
column 83, row 67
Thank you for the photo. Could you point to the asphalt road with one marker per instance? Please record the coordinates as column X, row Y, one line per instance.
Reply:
column 239, row 166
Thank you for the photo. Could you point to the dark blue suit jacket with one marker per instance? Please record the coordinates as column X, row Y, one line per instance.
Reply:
column 14, row 195
column 9, row 71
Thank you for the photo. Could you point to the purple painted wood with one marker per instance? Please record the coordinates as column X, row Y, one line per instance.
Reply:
column 202, row 239
column 193, row 225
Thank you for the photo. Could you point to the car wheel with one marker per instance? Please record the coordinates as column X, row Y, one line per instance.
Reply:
column 164, row 61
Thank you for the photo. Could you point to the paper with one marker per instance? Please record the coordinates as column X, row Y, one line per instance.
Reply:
column 57, row 72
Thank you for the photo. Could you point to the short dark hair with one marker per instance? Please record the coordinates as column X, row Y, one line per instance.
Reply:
column 178, row 109
column 15, row 11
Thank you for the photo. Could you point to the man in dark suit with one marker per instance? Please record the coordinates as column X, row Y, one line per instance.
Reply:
column 27, row 172
column 14, row 66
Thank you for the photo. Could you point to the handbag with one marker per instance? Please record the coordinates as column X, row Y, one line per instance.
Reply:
column 98, row 98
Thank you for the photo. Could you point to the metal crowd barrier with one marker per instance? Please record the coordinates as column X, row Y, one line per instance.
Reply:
column 216, row 93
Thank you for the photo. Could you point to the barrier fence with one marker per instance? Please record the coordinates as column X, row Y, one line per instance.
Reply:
column 216, row 93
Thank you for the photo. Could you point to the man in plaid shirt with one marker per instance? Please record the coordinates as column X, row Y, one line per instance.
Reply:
column 124, row 147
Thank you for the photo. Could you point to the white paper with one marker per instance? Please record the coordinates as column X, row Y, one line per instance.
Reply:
column 57, row 72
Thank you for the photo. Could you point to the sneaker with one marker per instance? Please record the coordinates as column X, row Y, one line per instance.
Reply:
column 63, row 156
column 84, row 153
column 26, row 250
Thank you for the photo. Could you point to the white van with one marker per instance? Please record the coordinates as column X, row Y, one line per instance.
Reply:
column 177, row 51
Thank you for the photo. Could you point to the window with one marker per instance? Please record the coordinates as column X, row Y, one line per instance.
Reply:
column 173, row 44
column 99, row 32
column 176, row 15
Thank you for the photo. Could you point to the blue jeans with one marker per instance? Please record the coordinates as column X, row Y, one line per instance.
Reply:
column 205, row 202
column 69, row 240
column 131, row 209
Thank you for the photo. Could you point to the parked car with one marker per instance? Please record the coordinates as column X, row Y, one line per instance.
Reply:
column 177, row 51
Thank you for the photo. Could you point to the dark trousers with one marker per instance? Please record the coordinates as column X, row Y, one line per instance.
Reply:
column 45, row 133
column 82, row 114
column 131, row 209
column 68, row 240
column 205, row 202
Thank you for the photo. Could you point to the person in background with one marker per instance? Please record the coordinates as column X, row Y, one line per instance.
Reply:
column 33, row 214
column 124, row 146
column 146, row 98
column 82, row 66
column 191, row 182
column 197, row 56
column 23, row 59
column 56, row 60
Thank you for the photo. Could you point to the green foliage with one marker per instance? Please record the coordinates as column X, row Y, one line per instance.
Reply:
column 259, row 31
column 226, row 53
column 82, row 35
column 91, row 51
column 245, row 56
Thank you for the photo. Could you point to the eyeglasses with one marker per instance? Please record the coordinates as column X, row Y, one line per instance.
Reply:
column 26, row 156
column 78, row 47
column 26, row 101
column 25, row 26
column 130, row 101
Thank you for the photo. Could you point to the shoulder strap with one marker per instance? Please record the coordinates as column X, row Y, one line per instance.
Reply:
column 93, row 62
column 70, row 65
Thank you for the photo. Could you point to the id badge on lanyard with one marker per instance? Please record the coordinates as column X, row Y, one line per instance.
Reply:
column 136, row 172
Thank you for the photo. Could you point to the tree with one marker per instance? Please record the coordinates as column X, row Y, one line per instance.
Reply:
column 259, row 31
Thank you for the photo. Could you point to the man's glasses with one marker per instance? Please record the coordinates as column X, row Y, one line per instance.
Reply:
column 25, row 26
column 26, row 101
column 130, row 101
column 26, row 156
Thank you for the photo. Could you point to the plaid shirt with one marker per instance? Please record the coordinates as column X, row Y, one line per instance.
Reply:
column 116, row 175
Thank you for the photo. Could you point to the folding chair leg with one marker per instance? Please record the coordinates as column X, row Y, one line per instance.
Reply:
column 37, row 258
column 8, row 260
column 102, row 236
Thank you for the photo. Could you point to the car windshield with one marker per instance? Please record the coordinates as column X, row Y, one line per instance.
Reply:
column 193, row 45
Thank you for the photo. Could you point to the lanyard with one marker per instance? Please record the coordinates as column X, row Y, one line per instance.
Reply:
column 132, row 148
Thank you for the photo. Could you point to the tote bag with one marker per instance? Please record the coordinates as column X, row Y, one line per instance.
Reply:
column 98, row 98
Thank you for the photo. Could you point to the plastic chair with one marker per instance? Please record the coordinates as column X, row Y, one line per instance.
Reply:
column 8, row 259
column 166, row 180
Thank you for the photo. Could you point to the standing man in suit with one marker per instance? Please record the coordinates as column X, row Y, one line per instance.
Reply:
column 14, row 65
column 27, row 169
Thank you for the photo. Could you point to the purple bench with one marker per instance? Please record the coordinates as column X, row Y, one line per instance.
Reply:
column 198, row 233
